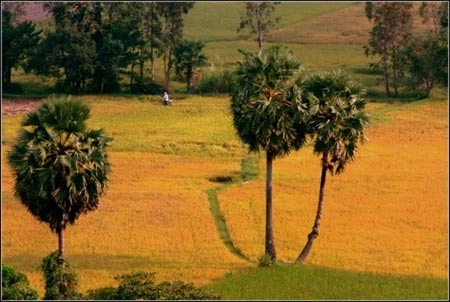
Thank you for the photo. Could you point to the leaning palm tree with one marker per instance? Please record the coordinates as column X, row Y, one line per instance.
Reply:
column 337, row 120
column 60, row 166
column 267, row 109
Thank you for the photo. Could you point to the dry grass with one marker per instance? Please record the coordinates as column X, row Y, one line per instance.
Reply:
column 388, row 212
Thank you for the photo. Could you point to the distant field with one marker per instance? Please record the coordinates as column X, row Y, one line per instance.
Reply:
column 387, row 213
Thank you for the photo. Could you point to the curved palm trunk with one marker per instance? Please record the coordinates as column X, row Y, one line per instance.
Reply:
column 315, row 230
column 270, row 244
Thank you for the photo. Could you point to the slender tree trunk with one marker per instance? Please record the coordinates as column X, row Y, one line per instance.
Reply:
column 259, row 28
column 270, row 244
column 61, row 282
column 385, row 72
column 315, row 230
column 166, row 75
column 60, row 232
column 394, row 73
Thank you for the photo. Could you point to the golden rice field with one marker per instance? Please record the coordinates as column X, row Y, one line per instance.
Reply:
column 387, row 213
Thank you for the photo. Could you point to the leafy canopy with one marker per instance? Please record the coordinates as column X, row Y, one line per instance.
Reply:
column 60, row 165
column 266, row 103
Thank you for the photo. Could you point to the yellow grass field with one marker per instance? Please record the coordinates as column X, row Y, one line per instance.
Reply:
column 387, row 213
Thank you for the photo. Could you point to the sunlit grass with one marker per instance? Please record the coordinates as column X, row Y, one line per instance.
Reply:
column 309, row 282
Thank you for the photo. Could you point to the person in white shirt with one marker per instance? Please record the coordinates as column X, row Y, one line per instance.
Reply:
column 166, row 99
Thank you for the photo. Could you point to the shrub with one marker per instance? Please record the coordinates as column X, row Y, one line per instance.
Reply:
column 104, row 293
column 60, row 281
column 146, row 87
column 13, row 88
column 217, row 83
column 178, row 290
column 142, row 286
column 15, row 285
column 265, row 261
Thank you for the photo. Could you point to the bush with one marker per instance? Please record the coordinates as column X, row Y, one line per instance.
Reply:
column 217, row 83
column 104, row 293
column 146, row 87
column 60, row 280
column 177, row 290
column 265, row 261
column 15, row 285
column 14, row 88
column 142, row 286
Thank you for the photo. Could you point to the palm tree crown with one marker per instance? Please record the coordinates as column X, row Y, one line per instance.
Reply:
column 337, row 117
column 60, row 166
column 266, row 104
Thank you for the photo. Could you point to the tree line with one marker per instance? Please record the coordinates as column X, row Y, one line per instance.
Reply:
column 94, row 45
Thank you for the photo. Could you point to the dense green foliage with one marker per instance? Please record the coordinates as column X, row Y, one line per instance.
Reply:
column 15, row 285
column 392, row 29
column 61, row 281
column 426, row 55
column 18, row 43
column 188, row 55
column 142, row 286
column 60, row 167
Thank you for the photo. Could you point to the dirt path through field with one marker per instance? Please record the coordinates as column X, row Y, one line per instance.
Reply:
column 17, row 106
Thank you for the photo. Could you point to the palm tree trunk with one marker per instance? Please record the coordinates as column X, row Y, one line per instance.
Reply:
column 60, row 232
column 61, row 283
column 270, row 245
column 315, row 230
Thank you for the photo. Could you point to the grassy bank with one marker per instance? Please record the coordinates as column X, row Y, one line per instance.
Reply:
column 321, row 283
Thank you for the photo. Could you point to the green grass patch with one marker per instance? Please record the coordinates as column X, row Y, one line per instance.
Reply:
column 321, row 283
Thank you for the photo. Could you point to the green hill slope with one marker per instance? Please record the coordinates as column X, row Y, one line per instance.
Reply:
column 218, row 21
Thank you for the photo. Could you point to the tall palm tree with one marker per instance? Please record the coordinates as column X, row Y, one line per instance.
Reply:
column 60, row 166
column 267, row 111
column 337, row 120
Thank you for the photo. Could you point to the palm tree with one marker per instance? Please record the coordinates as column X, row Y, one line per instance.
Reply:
column 337, row 120
column 60, row 166
column 267, row 109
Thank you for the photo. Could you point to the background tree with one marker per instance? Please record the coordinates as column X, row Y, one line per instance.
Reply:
column 392, row 25
column 68, row 53
column 188, row 55
column 19, row 40
column 108, row 49
column 171, row 16
column 59, row 165
column 266, row 106
column 426, row 55
column 259, row 19
column 337, row 121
